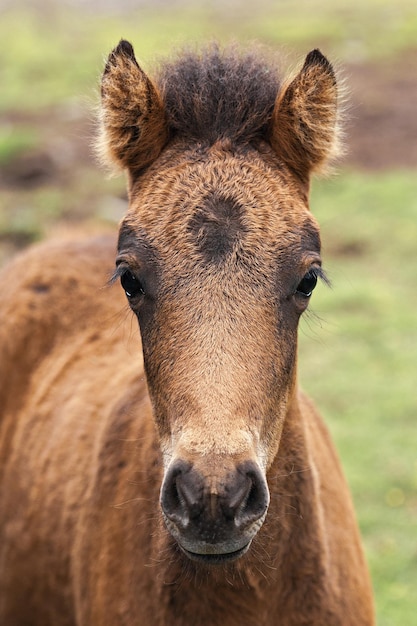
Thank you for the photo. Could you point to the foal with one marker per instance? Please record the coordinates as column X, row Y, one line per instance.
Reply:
column 197, row 486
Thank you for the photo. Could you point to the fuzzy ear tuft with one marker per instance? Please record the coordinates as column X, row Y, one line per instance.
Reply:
column 133, row 122
column 304, row 127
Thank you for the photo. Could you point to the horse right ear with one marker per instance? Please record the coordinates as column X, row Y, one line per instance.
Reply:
column 133, row 123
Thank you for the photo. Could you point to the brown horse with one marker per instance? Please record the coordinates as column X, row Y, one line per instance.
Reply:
column 198, row 486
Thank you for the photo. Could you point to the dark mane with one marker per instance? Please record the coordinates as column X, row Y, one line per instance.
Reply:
column 215, row 94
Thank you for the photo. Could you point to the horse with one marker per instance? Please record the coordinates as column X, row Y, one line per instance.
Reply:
column 176, row 474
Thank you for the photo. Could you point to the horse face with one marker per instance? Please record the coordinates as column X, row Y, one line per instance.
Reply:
column 218, row 258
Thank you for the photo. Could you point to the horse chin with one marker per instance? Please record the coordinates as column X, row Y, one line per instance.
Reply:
column 216, row 553
column 215, row 558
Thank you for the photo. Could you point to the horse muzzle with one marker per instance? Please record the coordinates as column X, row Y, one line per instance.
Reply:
column 215, row 515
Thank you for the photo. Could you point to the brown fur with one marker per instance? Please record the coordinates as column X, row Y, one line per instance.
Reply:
column 216, row 252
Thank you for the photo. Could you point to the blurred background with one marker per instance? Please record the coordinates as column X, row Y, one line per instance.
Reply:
column 358, row 349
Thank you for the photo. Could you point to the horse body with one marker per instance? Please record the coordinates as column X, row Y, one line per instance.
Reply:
column 218, row 255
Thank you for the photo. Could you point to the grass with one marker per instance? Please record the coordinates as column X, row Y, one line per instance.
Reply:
column 16, row 141
column 358, row 360
column 358, row 344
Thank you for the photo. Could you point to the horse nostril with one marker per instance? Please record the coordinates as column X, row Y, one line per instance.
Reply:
column 252, row 499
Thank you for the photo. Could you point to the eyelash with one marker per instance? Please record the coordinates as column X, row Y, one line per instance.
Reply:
column 131, row 284
column 307, row 284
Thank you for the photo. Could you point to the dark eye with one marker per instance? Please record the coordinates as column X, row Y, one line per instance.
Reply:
column 132, row 286
column 306, row 286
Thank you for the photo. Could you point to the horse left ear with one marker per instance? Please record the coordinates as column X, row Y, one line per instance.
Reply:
column 134, row 128
column 303, row 130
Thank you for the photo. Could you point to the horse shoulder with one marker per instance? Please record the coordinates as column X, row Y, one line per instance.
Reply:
column 68, row 382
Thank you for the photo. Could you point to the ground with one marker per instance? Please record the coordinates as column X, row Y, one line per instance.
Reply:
column 382, row 133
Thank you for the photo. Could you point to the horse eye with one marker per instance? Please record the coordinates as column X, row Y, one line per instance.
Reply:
column 306, row 286
column 132, row 286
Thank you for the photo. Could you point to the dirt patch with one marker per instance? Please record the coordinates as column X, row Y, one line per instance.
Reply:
column 382, row 130
column 65, row 138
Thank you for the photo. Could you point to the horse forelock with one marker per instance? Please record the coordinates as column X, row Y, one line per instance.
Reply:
column 215, row 93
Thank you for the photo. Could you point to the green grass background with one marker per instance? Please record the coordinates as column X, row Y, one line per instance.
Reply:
column 358, row 344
